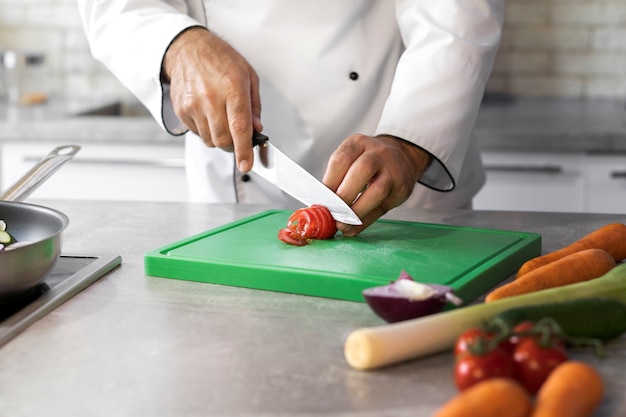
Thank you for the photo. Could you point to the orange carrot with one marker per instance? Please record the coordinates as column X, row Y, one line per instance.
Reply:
column 494, row 397
column 576, row 267
column 611, row 238
column 573, row 389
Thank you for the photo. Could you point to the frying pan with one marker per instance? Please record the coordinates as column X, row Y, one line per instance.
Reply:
column 38, row 228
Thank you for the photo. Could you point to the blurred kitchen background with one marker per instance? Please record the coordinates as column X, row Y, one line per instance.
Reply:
column 53, row 28
column 554, row 105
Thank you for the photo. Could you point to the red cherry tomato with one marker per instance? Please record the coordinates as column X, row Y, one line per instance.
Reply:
column 471, row 369
column 511, row 343
column 533, row 363
column 470, row 339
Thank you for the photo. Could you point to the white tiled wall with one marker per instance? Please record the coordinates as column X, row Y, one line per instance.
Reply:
column 573, row 48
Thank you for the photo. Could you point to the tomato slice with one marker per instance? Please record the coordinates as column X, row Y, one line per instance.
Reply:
column 300, row 222
column 327, row 225
column 314, row 220
column 292, row 223
column 289, row 236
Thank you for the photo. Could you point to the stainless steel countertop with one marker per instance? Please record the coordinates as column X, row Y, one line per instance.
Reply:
column 517, row 124
column 132, row 345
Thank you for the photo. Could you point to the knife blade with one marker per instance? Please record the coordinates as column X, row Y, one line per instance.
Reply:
column 277, row 168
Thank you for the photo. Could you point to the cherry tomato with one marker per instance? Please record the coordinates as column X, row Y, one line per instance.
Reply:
column 470, row 339
column 533, row 363
column 470, row 369
column 511, row 343
column 292, row 238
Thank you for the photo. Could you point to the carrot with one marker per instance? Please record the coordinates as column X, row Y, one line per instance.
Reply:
column 576, row 267
column 611, row 238
column 573, row 389
column 494, row 397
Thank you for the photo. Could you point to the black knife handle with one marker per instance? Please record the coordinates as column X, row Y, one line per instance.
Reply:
column 258, row 138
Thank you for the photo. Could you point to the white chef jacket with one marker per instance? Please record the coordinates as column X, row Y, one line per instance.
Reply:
column 328, row 68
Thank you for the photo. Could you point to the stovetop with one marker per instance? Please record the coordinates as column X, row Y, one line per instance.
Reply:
column 71, row 274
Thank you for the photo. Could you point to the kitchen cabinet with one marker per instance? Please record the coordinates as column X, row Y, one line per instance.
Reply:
column 606, row 183
column 102, row 171
column 555, row 182
column 530, row 181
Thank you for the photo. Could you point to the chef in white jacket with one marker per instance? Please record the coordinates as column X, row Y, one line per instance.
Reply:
column 377, row 98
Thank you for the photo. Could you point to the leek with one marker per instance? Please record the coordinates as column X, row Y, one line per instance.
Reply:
column 374, row 347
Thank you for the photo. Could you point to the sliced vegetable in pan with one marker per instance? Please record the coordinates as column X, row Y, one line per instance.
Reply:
column 5, row 238
column 7, row 241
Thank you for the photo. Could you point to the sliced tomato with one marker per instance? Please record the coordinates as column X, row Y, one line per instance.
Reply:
column 312, row 225
column 300, row 222
column 327, row 224
column 314, row 222
column 289, row 236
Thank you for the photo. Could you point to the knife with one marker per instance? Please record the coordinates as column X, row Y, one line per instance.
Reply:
column 277, row 168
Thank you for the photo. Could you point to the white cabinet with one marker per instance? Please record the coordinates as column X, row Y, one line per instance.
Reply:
column 606, row 185
column 532, row 182
column 151, row 172
column 557, row 182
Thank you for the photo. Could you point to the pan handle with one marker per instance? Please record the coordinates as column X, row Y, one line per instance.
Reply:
column 40, row 173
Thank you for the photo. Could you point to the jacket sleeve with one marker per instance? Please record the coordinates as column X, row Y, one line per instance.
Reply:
column 450, row 46
column 130, row 37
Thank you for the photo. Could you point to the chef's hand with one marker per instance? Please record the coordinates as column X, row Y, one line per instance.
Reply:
column 381, row 171
column 214, row 91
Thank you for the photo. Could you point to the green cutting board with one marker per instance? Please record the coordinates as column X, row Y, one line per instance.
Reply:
column 247, row 253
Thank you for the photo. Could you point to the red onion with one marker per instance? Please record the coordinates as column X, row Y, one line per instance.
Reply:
column 406, row 299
